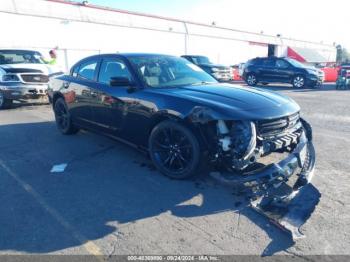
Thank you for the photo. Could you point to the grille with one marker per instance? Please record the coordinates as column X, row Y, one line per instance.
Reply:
column 35, row 78
column 278, row 126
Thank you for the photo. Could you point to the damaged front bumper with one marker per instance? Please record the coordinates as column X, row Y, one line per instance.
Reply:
column 24, row 91
column 282, row 191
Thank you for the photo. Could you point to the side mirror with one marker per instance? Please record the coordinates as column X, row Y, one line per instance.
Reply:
column 120, row 81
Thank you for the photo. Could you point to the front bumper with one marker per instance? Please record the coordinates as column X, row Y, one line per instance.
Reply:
column 23, row 91
column 314, row 80
column 303, row 158
column 282, row 191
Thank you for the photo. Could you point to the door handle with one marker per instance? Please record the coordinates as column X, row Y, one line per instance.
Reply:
column 65, row 85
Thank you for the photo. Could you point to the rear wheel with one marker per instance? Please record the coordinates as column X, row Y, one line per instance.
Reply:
column 174, row 150
column 4, row 102
column 298, row 82
column 251, row 80
column 63, row 118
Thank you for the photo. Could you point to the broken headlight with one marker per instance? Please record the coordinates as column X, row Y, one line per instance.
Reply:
column 238, row 138
column 243, row 137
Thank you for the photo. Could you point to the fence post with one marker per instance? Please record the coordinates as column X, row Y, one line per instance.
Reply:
column 66, row 64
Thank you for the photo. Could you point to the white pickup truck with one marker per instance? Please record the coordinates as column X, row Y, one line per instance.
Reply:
column 23, row 76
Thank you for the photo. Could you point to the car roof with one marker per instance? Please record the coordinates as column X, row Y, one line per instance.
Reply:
column 126, row 55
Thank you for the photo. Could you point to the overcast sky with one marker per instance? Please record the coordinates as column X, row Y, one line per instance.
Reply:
column 313, row 20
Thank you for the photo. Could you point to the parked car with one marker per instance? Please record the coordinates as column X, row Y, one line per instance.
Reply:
column 343, row 80
column 186, row 120
column 330, row 71
column 235, row 72
column 241, row 69
column 281, row 70
column 219, row 72
column 23, row 76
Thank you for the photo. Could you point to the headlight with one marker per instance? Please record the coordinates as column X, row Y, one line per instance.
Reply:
column 243, row 138
column 215, row 69
column 10, row 78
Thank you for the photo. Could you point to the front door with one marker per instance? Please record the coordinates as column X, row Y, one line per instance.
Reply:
column 109, row 102
column 284, row 71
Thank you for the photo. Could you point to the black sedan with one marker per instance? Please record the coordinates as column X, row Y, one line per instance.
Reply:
column 182, row 116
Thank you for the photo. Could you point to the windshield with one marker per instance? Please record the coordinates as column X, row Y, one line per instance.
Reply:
column 169, row 71
column 20, row 57
column 295, row 63
column 200, row 60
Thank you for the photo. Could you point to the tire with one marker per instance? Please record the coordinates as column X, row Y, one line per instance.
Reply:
column 63, row 119
column 251, row 79
column 174, row 150
column 298, row 81
column 4, row 102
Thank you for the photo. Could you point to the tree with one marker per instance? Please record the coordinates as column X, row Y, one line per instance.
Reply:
column 343, row 55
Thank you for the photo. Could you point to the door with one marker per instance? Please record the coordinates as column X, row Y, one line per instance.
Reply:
column 78, row 91
column 284, row 71
column 109, row 103
column 267, row 71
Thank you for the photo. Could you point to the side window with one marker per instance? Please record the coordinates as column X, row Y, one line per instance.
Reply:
column 268, row 63
column 87, row 70
column 255, row 62
column 281, row 64
column 113, row 68
column 74, row 71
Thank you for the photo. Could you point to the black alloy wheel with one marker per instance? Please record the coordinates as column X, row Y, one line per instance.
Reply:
column 63, row 119
column 174, row 150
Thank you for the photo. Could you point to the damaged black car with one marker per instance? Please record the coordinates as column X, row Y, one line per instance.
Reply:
column 184, row 118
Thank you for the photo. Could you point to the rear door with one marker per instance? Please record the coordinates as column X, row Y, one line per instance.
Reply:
column 267, row 70
column 78, row 90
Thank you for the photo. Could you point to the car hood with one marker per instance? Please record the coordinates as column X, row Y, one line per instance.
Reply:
column 25, row 68
column 314, row 70
column 236, row 102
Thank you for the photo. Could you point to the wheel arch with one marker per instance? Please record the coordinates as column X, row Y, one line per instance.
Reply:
column 55, row 96
column 164, row 116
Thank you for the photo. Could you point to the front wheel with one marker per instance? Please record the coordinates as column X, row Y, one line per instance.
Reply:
column 63, row 118
column 4, row 102
column 298, row 82
column 174, row 150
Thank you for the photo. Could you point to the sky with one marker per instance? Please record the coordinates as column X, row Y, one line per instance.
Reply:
column 313, row 20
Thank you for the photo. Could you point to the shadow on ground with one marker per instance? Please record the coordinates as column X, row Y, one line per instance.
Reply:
column 105, row 181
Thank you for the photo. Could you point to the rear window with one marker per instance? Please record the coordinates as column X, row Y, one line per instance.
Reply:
column 255, row 61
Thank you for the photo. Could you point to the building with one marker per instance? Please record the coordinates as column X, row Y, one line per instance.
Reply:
column 78, row 30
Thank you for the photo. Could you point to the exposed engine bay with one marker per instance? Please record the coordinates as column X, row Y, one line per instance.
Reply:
column 274, row 159
column 239, row 145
